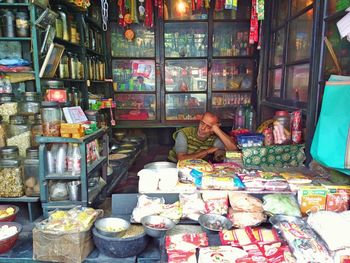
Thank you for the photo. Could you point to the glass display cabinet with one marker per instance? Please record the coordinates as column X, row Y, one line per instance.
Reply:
column 202, row 62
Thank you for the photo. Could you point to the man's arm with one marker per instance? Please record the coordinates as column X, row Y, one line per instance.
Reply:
column 225, row 138
column 181, row 149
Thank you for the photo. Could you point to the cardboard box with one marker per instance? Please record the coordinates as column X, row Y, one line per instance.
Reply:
column 312, row 198
column 70, row 247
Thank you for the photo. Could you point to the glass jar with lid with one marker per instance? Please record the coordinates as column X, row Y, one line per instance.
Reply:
column 8, row 106
column 63, row 67
column 51, row 118
column 11, row 178
column 9, row 152
column 54, row 91
column 31, row 172
column 37, row 129
column 19, row 133
column 30, row 103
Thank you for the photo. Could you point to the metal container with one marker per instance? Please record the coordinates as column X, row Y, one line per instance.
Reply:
column 151, row 222
column 112, row 226
column 9, row 152
column 214, row 223
column 120, row 247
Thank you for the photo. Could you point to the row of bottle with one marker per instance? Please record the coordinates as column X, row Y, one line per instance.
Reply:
column 71, row 67
column 244, row 117
column 232, row 45
column 229, row 70
column 5, row 84
column 185, row 45
column 63, row 158
column 66, row 26
column 231, row 99
column 14, row 24
column 96, row 68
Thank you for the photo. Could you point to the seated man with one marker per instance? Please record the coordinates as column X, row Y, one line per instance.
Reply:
column 199, row 142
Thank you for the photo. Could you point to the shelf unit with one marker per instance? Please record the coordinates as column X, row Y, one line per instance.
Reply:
column 29, row 51
column 89, row 196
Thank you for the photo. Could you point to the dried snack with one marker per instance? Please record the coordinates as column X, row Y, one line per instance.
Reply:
column 245, row 202
column 244, row 219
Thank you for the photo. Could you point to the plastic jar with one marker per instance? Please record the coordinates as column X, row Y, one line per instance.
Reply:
column 11, row 178
column 283, row 118
column 31, row 172
column 22, row 24
column 51, row 117
column 9, row 152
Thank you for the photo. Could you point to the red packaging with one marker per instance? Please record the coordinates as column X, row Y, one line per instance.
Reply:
column 188, row 241
column 296, row 127
column 180, row 256
column 59, row 95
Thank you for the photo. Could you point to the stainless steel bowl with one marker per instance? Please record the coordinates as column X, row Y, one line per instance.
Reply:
column 111, row 226
column 159, row 165
column 213, row 223
column 151, row 223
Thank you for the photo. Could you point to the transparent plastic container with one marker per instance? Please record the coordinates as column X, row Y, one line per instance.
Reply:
column 11, row 178
column 31, row 172
column 9, row 152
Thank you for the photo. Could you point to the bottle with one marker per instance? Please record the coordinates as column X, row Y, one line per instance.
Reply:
column 250, row 118
column 7, row 85
column 76, row 159
column 239, row 117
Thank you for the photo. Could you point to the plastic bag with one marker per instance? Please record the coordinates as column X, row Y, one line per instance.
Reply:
column 147, row 206
column 281, row 204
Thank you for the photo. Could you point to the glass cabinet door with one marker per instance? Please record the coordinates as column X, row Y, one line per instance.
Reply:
column 182, row 10
column 186, row 40
column 133, row 75
column 186, row 75
column 298, row 82
column 141, row 46
column 300, row 37
column 224, row 104
column 241, row 12
column 334, row 6
column 136, row 107
column 185, row 106
column 232, row 74
column 231, row 39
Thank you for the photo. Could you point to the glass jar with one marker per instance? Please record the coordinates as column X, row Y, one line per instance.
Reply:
column 31, row 172
column 282, row 118
column 73, row 66
column 51, row 117
column 63, row 17
column 22, row 24
column 11, row 178
column 8, row 106
column 8, row 20
column 37, row 130
column 73, row 31
column 3, row 129
column 55, row 91
column 19, row 133
column 9, row 152
column 30, row 103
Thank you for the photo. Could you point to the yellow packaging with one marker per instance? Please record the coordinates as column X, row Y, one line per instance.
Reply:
column 312, row 198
